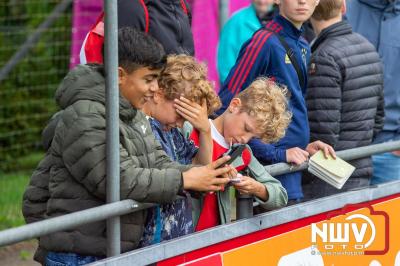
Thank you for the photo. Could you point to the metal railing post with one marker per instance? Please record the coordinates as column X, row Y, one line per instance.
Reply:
column 244, row 206
column 112, row 123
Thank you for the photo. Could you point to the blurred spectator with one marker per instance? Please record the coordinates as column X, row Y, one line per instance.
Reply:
column 345, row 92
column 238, row 29
column 379, row 22
column 167, row 21
column 279, row 52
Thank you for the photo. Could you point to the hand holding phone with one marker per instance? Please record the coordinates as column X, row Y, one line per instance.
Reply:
column 237, row 179
column 234, row 152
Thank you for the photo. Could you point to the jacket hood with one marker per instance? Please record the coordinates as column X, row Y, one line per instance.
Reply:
column 87, row 82
column 388, row 6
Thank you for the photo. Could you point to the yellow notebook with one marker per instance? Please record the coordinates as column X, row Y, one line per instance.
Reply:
column 335, row 172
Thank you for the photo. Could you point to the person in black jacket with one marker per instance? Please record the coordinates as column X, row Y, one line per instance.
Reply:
column 168, row 21
column 345, row 93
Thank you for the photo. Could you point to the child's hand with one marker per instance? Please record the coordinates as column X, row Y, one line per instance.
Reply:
column 248, row 185
column 232, row 174
column 208, row 177
column 315, row 146
column 194, row 113
column 296, row 155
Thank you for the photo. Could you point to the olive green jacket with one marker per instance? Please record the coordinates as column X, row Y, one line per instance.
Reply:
column 72, row 176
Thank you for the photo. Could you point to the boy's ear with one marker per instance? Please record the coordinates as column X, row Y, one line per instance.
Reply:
column 316, row 2
column 235, row 106
column 121, row 75
column 157, row 96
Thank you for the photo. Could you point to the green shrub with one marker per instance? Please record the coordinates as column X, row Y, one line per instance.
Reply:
column 26, row 95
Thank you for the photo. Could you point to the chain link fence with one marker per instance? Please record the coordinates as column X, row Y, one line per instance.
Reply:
column 27, row 92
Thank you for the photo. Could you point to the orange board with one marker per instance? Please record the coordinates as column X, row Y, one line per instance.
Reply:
column 361, row 234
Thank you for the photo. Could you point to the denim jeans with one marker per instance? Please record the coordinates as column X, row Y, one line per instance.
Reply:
column 386, row 168
column 68, row 259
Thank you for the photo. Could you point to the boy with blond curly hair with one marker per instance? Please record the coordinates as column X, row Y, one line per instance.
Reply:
column 260, row 112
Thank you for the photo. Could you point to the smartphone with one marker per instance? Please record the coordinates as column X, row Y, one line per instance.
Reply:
column 234, row 152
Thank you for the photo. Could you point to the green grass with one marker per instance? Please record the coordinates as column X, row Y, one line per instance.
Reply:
column 25, row 255
column 30, row 161
column 21, row 164
column 12, row 187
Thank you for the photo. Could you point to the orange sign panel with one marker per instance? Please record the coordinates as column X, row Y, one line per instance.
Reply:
column 359, row 234
column 369, row 235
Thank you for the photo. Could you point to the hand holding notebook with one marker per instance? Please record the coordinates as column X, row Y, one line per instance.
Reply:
column 333, row 171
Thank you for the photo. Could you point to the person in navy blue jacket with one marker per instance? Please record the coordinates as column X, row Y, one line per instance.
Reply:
column 265, row 55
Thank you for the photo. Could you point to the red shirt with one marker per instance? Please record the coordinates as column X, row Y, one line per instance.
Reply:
column 209, row 215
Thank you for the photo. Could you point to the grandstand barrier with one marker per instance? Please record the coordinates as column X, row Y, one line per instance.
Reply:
column 247, row 241
column 219, row 234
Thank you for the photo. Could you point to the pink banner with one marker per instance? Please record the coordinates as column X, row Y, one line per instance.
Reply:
column 205, row 27
column 84, row 16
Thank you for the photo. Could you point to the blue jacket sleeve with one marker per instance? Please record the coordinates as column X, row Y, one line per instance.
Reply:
column 252, row 62
column 267, row 153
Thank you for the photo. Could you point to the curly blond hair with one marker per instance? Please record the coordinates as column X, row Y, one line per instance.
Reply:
column 184, row 76
column 267, row 103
